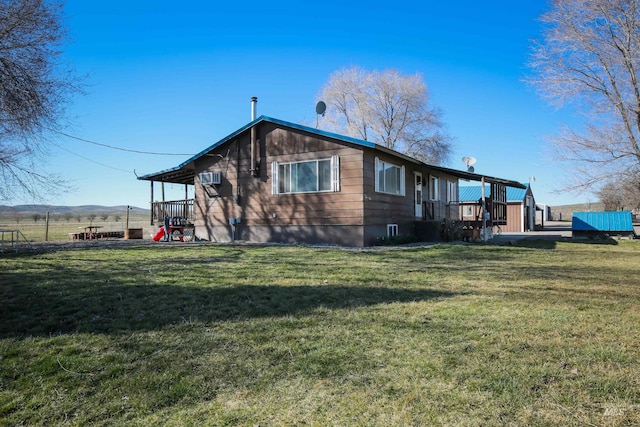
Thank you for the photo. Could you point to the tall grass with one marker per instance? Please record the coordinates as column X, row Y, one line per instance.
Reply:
column 545, row 334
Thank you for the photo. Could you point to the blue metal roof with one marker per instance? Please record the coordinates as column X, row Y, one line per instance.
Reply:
column 265, row 119
column 473, row 193
column 602, row 221
column 183, row 172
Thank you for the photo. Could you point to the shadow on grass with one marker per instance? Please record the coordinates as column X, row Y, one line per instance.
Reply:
column 536, row 244
column 549, row 243
column 100, row 305
column 603, row 240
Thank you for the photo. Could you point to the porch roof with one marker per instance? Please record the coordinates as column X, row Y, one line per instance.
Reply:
column 472, row 193
column 184, row 173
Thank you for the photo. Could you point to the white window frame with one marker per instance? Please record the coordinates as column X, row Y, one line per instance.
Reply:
column 392, row 230
column 379, row 185
column 334, row 168
column 434, row 188
column 468, row 210
column 451, row 191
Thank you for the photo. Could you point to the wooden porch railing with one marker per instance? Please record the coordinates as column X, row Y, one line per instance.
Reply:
column 182, row 208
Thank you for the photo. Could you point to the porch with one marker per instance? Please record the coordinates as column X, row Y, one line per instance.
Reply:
column 173, row 208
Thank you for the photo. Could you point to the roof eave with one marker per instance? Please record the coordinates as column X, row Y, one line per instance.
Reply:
column 164, row 175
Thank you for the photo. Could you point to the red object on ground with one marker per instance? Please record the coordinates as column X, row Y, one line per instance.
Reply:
column 159, row 235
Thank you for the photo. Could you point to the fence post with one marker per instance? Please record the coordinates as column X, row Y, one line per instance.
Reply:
column 46, row 227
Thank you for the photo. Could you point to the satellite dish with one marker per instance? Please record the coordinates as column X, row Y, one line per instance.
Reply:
column 469, row 161
column 321, row 107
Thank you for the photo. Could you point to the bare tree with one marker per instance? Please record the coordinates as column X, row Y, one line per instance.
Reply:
column 33, row 92
column 610, row 195
column 631, row 193
column 17, row 215
column 588, row 58
column 104, row 216
column 620, row 194
column 387, row 108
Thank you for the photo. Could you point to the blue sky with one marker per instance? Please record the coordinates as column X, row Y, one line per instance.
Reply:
column 175, row 77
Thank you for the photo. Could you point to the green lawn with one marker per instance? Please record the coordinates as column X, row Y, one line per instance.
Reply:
column 541, row 334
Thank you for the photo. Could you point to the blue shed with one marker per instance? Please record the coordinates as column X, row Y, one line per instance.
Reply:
column 521, row 206
column 611, row 223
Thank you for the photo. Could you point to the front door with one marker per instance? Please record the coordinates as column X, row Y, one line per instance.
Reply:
column 418, row 191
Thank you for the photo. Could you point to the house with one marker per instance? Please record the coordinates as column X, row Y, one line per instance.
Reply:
column 602, row 224
column 521, row 207
column 276, row 181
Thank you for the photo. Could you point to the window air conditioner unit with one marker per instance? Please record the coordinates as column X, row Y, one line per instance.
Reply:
column 210, row 178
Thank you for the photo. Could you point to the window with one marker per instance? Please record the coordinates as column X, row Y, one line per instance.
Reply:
column 306, row 177
column 434, row 187
column 392, row 230
column 389, row 178
column 467, row 210
column 451, row 192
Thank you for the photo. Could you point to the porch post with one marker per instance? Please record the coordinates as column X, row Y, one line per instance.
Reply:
column 484, row 212
column 151, row 202
column 186, row 196
column 164, row 205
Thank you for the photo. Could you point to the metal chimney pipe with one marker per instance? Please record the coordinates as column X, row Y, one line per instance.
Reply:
column 253, row 167
column 254, row 106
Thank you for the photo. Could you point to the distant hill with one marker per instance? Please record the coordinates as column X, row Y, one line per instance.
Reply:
column 80, row 210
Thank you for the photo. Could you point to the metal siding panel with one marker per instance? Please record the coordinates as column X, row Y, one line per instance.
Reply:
column 515, row 194
column 472, row 193
column 469, row 193
column 580, row 221
column 602, row 221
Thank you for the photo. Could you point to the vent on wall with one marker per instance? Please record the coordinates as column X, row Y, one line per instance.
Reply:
column 210, row 178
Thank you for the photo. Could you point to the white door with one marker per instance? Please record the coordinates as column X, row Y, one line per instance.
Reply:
column 418, row 198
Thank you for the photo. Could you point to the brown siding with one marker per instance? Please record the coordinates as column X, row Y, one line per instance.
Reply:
column 313, row 217
column 515, row 216
column 382, row 209
column 356, row 215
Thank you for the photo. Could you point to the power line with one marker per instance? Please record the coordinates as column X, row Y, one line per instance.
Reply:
column 90, row 160
column 119, row 148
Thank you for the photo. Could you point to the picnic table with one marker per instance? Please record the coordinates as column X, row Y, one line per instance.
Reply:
column 90, row 231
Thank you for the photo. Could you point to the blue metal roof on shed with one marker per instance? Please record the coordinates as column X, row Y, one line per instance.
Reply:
column 472, row 193
column 602, row 221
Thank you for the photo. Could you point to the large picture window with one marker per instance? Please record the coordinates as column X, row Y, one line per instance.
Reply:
column 389, row 178
column 306, row 177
